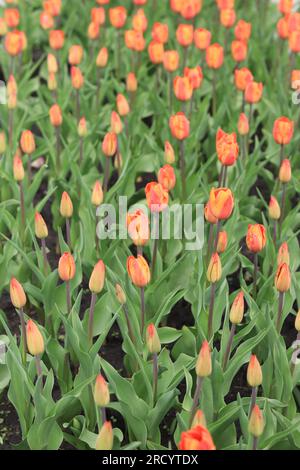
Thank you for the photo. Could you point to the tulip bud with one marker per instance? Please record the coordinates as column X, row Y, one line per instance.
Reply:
column 283, row 278
column 185, row 34
column 27, row 142
column 97, row 278
column 82, row 128
column 274, row 209
column 55, row 116
column 221, row 203
column 116, row 123
column 97, row 194
column 35, row 340
column 239, row 50
column 52, row 63
column 253, row 92
column 214, row 271
column 120, row 294
column 56, row 39
column 110, row 144
column 66, row 267
column 203, row 365
column 75, row 55
column 180, row 126
column 66, row 206
column 171, row 61
column 283, row 254
column 156, row 52
column 138, row 270
column 283, row 130
column 76, row 78
column 297, row 322
column 237, row 309
column 227, row 147
column 105, row 438
column 199, row 420
column 256, row 238
column 169, row 153
column 17, row 294
column 242, row 31
column 202, row 38
column 243, row 124
column 52, row 83
column 167, row 177
column 152, row 340
column 157, row 197
column 285, row 172
column 101, row 392
column 118, row 16
column 254, row 372
column 41, row 230
column 93, row 31
column 122, row 105
column 256, row 422
column 18, row 169
column 102, row 58
column 183, row 89
column 222, row 242
column 209, row 215
column 131, row 83
column 138, row 227
column 215, row 56
column 2, row 142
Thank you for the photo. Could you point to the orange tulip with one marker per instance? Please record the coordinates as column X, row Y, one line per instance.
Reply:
column 283, row 130
column 283, row 278
column 138, row 271
column 34, row 338
column 13, row 43
column 183, row 89
column 56, row 39
column 185, row 34
column 152, row 339
column 243, row 124
column 283, row 28
column 118, row 16
column 285, row 172
column 55, row 115
column 180, row 126
column 12, row 17
column 242, row 31
column 18, row 169
column 17, row 294
column 76, row 78
column 222, row 242
column 203, row 364
column 239, row 50
column 110, row 144
column 52, row 63
column 190, row 8
column 97, row 279
column 274, row 209
column 194, row 75
column 221, row 203
column 223, row 4
column 66, row 206
column 157, row 197
column 27, row 142
column 254, row 372
column 242, row 77
column 214, row 56
column 138, row 227
column 75, row 54
column 169, row 153
column 209, row 215
column 66, row 267
column 227, row 17
column 202, row 38
column 171, row 61
column 156, row 52
column 131, row 82
column 122, row 105
column 166, row 177
column 97, row 194
column 295, row 79
column 102, row 58
column 53, row 7
column 139, row 21
column 285, row 6
column 93, row 31
column 40, row 226
column 197, row 438
column 283, row 254
column 160, row 32
column 237, row 309
column 227, row 147
column 253, row 92
column 214, row 270
column 116, row 123
column 101, row 392
column 82, row 127
column 256, row 422
column 176, row 5
column 105, row 438
column 98, row 16
column 256, row 238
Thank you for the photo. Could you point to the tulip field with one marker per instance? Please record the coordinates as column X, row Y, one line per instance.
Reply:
column 149, row 225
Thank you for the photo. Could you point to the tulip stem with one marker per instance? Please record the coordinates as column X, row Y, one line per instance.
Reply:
column 22, row 206
column 23, row 335
column 11, row 128
column 229, row 346
column 214, row 87
column 81, row 151
column 225, row 176
column 195, row 400
column 68, row 232
column 39, row 370
column 171, row 92
column 103, row 414
column 280, row 309
column 142, row 310
column 57, row 135
column 211, row 309
column 217, row 235
column 155, row 246
column 44, row 251
column 130, row 332
column 210, row 242
column 155, row 377
column 275, row 232
column 106, row 175
column 283, row 198
column 29, row 169
column 255, row 443
column 250, row 122
column 97, row 219
column 255, row 273
column 98, row 88
column 281, row 153
column 119, row 45
column 221, row 176
column 253, row 400
column 68, row 292
column 293, row 364
column 182, row 171
column 91, row 318
column 77, row 105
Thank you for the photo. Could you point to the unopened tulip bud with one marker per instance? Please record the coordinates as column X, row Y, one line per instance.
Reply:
column 221, row 203
column 102, row 58
column 97, row 278
column 203, row 365
column 66, row 206
column 66, row 267
column 283, row 130
column 56, row 39
column 2, row 142
column 17, row 294
column 243, row 124
column 52, row 63
column 75, row 54
column 222, row 242
column 256, row 423
column 120, row 294
column 97, row 194
column 122, row 105
column 110, row 144
column 101, row 392
column 118, row 162
column 93, row 31
column 35, row 340
column 254, row 372
column 18, row 169
column 152, row 340
column 199, row 420
column 76, row 78
column 105, row 438
column 131, row 83
column 274, row 209
column 82, row 128
column 285, row 172
column 55, row 115
column 116, row 123
column 166, row 177
column 283, row 254
column 138, row 270
column 256, row 238
column 283, row 278
column 41, row 230
column 214, row 271
column 297, row 322
column 237, row 309
column 27, row 142
column 52, row 82
column 169, row 153
column 209, row 215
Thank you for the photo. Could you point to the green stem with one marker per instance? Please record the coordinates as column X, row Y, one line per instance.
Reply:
column 195, row 400
column 280, row 310
column 91, row 318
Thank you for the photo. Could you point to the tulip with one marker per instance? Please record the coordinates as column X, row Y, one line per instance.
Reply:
column 227, row 151
column 197, row 438
column 93, row 33
column 138, row 228
column 199, row 419
column 169, row 154
column 157, row 197
column 239, row 51
column 285, row 172
column 75, row 55
column 214, row 60
column 166, row 177
column 122, row 105
column 52, row 64
column 185, row 35
column 66, row 271
column 121, row 298
column 101, row 395
column 195, row 76
column 236, row 316
column 254, row 379
column 154, row 347
column 102, row 58
column 227, row 17
column 283, row 130
column 202, row 38
column 116, row 123
column 203, row 369
column 256, row 241
column 256, row 425
column 253, row 92
column 19, row 175
column 13, row 45
column 221, row 203
column 242, row 77
column 56, row 121
column 160, row 32
column 66, row 211
column 98, row 16
column 171, row 61
column 35, row 341
column 117, row 17
column 18, row 299
column 156, row 52
column 56, row 39
column 131, row 83
column 105, row 438
column 139, row 21
column 139, row 273
column 222, row 242
column 283, row 28
column 97, row 194
column 28, row 147
column 243, row 125
column 283, row 255
column 214, row 274
column 180, row 129
column 109, row 149
column 294, row 42
column 242, row 31
column 275, row 214
column 285, row 6
column 282, row 284
column 41, row 232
